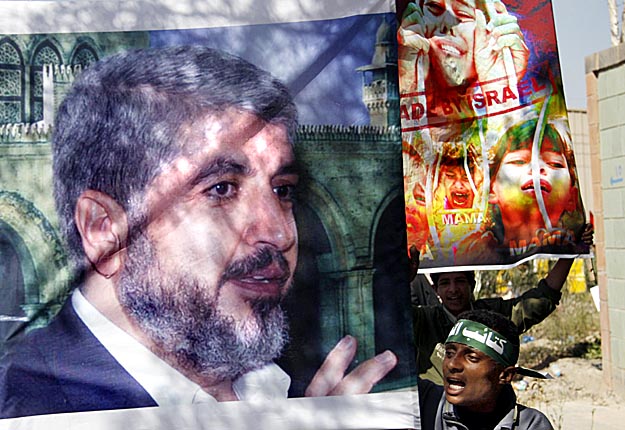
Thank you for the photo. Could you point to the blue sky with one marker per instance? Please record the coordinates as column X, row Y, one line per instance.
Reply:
column 582, row 28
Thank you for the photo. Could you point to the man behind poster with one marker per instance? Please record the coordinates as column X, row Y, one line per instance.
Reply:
column 174, row 179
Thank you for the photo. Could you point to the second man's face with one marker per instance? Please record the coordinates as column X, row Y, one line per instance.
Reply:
column 455, row 291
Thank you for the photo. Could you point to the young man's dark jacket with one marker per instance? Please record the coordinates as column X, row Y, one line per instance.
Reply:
column 432, row 323
column 438, row 414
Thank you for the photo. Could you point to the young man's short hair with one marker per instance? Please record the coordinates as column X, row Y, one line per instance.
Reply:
column 470, row 275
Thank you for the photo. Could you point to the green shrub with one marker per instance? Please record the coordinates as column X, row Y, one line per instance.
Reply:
column 572, row 330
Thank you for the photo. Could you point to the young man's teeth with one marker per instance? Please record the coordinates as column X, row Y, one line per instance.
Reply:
column 450, row 50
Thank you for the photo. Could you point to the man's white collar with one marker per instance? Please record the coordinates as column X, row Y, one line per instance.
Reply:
column 162, row 382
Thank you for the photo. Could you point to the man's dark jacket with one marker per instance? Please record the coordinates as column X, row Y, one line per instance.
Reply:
column 437, row 414
column 64, row 368
column 432, row 323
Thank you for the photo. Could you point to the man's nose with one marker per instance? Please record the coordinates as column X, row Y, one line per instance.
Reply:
column 270, row 222
column 542, row 167
column 453, row 363
column 448, row 24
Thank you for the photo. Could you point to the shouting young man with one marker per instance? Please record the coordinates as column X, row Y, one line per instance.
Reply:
column 481, row 352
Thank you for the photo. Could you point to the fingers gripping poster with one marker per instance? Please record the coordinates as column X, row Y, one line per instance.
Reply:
column 190, row 236
column 489, row 172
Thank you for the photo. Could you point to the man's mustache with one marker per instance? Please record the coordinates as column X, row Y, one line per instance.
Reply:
column 252, row 264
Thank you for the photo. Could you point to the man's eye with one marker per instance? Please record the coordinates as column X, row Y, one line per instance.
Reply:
column 554, row 161
column 473, row 358
column 434, row 7
column 556, row 165
column 222, row 190
column 517, row 161
column 285, row 192
column 436, row 10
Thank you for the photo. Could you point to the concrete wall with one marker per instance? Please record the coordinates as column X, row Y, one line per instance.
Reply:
column 605, row 80
column 578, row 121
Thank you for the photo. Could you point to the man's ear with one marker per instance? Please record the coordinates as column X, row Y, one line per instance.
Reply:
column 506, row 375
column 103, row 228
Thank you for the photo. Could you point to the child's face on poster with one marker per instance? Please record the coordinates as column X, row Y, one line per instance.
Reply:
column 514, row 187
column 458, row 190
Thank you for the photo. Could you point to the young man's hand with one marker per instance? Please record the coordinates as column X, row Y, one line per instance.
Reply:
column 588, row 235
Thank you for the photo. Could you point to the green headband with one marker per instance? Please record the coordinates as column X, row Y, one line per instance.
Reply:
column 484, row 339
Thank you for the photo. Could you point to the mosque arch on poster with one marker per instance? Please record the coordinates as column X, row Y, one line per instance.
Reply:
column 12, row 109
column 30, row 239
column 314, row 303
column 335, row 224
column 46, row 52
column 390, row 282
column 84, row 53
column 17, row 272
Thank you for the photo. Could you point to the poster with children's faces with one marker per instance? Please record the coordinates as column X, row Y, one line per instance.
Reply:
column 489, row 172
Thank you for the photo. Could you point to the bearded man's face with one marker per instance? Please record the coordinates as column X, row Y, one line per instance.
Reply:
column 205, row 279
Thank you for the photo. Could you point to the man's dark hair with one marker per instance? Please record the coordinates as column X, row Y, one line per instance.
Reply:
column 121, row 121
column 495, row 321
column 469, row 274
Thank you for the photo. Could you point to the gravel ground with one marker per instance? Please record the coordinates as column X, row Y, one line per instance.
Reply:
column 578, row 399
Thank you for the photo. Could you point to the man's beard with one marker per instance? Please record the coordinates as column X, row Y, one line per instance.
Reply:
column 179, row 314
